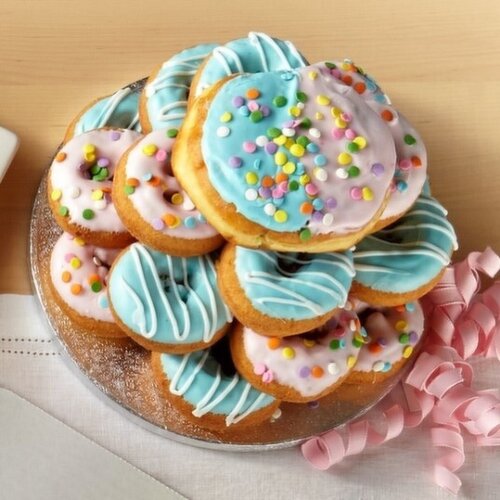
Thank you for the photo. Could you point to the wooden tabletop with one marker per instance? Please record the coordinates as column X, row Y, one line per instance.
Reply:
column 439, row 61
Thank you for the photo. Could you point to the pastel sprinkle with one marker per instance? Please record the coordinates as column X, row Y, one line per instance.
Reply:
column 177, row 199
column 351, row 361
column 280, row 158
column 360, row 141
column 280, row 101
column 409, row 139
column 317, row 371
column 297, row 150
column 288, row 352
column 269, row 209
column 76, row 289
column 238, row 101
column 323, row 100
column 367, row 194
column 88, row 214
column 261, row 141
column 235, row 162
column 223, row 131
column 344, row 158
column 301, row 96
column 280, row 216
column 190, row 222
column 172, row 133
column 251, row 194
column 404, row 338
column 150, row 149
column 259, row 368
column 378, row 366
column 320, row 160
column 331, row 203
column 66, row 276
column 320, row 174
column 327, row 220
column 341, row 173
column 115, row 135
column 309, row 343
column 356, row 193
column 226, row 117
column 304, row 372
column 305, row 234
column 401, row 326
column 61, row 156
column 377, row 169
column 158, row 224
column 312, row 75
column 407, row 351
column 332, row 368
column 253, row 93
column 75, row 263
column 56, row 195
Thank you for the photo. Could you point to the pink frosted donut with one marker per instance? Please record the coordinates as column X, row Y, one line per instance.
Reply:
column 303, row 367
column 153, row 206
column 411, row 164
column 390, row 336
column 79, row 186
column 78, row 275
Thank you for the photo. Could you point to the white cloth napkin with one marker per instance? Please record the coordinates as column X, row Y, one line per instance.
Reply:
column 31, row 366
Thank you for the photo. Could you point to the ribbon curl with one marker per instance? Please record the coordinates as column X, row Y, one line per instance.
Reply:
column 461, row 322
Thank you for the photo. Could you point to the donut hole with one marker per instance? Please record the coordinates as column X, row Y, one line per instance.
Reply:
column 167, row 285
column 290, row 264
column 221, row 355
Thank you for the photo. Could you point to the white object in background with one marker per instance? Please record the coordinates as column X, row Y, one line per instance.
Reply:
column 43, row 458
column 9, row 142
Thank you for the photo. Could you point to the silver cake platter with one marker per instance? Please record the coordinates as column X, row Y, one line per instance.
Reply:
column 119, row 371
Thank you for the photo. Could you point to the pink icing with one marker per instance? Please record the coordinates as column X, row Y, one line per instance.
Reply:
column 393, row 333
column 72, row 187
column 297, row 372
column 89, row 261
column 352, row 211
column 412, row 173
column 151, row 158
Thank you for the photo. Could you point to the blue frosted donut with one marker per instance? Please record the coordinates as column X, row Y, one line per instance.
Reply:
column 292, row 285
column 255, row 54
column 409, row 254
column 167, row 303
column 118, row 110
column 282, row 294
column 166, row 93
column 198, row 379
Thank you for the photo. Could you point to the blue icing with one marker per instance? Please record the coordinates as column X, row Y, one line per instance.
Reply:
column 230, row 182
column 292, row 285
column 409, row 253
column 118, row 110
column 198, row 378
column 182, row 310
column 426, row 189
column 255, row 54
column 168, row 92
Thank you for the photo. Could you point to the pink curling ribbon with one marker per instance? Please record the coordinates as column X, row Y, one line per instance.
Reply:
column 461, row 322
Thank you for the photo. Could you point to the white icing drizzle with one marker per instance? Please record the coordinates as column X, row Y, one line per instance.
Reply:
column 262, row 278
column 208, row 402
column 256, row 39
column 189, row 67
column 209, row 319
column 110, row 107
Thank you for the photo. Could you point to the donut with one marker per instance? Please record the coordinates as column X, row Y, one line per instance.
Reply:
column 256, row 53
column 391, row 334
column 120, row 110
column 78, row 278
column 209, row 394
column 301, row 368
column 164, row 99
column 165, row 303
column 404, row 261
column 411, row 164
column 79, row 186
column 284, row 161
column 153, row 206
column 283, row 294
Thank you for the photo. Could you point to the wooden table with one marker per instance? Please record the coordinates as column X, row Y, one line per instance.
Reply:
column 439, row 61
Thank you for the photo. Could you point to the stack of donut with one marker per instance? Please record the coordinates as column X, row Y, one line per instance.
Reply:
column 261, row 224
